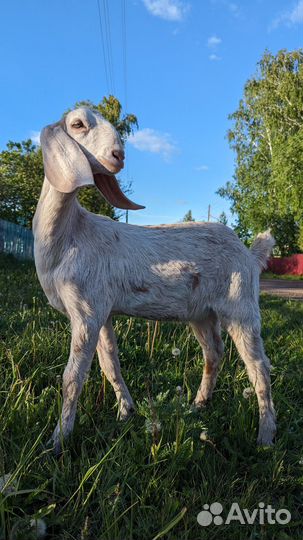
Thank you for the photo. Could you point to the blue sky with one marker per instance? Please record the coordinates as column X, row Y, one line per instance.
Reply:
column 180, row 66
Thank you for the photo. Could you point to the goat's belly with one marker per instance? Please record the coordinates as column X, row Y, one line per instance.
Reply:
column 149, row 306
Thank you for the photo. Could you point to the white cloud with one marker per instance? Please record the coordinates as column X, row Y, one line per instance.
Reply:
column 289, row 18
column 214, row 57
column 296, row 15
column 234, row 8
column 35, row 137
column 170, row 10
column 149, row 140
column 213, row 42
column 182, row 202
column 202, row 168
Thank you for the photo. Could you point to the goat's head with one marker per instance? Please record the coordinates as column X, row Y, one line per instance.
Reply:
column 84, row 149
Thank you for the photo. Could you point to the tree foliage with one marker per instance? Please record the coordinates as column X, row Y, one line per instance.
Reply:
column 267, row 136
column 188, row 216
column 223, row 218
column 21, row 177
column 21, row 170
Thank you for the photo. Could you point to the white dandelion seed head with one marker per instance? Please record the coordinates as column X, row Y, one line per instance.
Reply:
column 10, row 488
column 39, row 527
column 152, row 426
column 203, row 435
column 248, row 392
column 179, row 390
column 175, row 351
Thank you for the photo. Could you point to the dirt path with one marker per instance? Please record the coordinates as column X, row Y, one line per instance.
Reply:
column 283, row 288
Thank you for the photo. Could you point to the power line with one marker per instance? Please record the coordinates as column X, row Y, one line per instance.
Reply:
column 124, row 49
column 124, row 62
column 105, row 33
column 103, row 48
column 109, row 46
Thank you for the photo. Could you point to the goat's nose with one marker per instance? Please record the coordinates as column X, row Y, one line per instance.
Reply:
column 118, row 154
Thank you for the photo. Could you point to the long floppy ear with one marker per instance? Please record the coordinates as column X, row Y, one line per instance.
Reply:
column 111, row 191
column 65, row 165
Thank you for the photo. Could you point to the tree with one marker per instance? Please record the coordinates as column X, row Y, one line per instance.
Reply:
column 267, row 136
column 21, row 177
column 223, row 218
column 188, row 216
column 21, row 170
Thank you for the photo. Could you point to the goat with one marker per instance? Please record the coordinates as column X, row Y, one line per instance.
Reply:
column 92, row 268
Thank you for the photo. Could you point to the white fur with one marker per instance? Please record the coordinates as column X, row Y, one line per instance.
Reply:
column 91, row 268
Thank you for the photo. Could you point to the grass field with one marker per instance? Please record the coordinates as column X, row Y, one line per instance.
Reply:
column 148, row 478
column 287, row 277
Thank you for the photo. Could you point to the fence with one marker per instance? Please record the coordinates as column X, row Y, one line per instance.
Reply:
column 16, row 240
column 287, row 265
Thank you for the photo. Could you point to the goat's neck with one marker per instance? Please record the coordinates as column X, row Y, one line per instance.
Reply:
column 55, row 215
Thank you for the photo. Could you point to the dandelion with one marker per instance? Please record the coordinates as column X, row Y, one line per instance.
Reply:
column 153, row 426
column 39, row 527
column 248, row 392
column 6, row 490
column 179, row 390
column 175, row 352
column 203, row 436
column 301, row 461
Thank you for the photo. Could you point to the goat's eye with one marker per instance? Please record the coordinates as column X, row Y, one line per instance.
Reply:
column 77, row 124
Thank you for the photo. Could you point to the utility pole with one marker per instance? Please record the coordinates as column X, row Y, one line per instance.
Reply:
column 126, row 217
column 208, row 213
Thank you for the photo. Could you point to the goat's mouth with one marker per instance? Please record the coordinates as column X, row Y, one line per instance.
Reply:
column 104, row 177
column 113, row 165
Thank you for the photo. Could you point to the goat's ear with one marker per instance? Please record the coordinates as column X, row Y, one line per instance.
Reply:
column 65, row 165
column 111, row 191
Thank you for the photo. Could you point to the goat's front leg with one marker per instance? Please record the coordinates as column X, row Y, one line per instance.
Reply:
column 109, row 362
column 83, row 346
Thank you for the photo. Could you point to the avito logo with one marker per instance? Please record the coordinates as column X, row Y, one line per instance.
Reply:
column 211, row 514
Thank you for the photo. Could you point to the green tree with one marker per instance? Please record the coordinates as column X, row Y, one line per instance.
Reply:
column 188, row 216
column 267, row 137
column 223, row 218
column 21, row 177
column 21, row 170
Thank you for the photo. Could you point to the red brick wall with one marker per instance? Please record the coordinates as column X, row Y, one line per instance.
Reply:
column 287, row 265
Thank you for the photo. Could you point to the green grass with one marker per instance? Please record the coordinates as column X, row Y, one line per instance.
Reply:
column 287, row 277
column 140, row 481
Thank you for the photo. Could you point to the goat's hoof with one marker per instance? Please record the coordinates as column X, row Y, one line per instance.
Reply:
column 200, row 404
column 55, row 446
column 125, row 412
column 265, row 441
column 267, row 431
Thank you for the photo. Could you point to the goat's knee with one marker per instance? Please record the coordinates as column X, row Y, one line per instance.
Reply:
column 109, row 362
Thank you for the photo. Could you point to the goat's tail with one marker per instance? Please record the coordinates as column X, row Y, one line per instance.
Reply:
column 262, row 248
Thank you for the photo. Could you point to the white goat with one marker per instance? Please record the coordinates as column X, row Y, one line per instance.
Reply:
column 91, row 268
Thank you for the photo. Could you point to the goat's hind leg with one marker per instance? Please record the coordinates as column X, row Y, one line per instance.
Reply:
column 109, row 362
column 250, row 346
column 208, row 334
